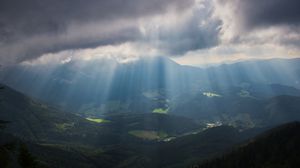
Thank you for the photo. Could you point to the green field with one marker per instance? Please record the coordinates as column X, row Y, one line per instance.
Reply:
column 64, row 126
column 148, row 135
column 161, row 111
column 97, row 120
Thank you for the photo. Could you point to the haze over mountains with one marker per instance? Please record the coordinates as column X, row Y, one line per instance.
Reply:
column 149, row 83
column 151, row 112
column 157, row 83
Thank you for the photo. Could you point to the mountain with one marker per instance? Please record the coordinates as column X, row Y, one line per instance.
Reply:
column 233, row 94
column 283, row 109
column 241, row 111
column 79, row 85
column 188, row 149
column 54, row 138
column 35, row 121
column 49, row 137
column 39, row 122
column 278, row 147
column 273, row 71
column 272, row 90
column 105, row 85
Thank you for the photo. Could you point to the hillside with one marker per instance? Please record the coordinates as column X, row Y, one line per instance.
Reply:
column 141, row 86
column 35, row 121
column 122, row 140
column 53, row 138
column 278, row 147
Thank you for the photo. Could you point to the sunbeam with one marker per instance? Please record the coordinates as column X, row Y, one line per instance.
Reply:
column 149, row 83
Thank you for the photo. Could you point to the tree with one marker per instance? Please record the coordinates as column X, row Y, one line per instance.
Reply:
column 2, row 122
column 26, row 160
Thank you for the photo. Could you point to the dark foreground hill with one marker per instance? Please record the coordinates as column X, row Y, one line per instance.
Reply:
column 276, row 148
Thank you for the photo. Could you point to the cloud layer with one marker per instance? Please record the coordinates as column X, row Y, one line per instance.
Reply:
column 257, row 20
column 30, row 29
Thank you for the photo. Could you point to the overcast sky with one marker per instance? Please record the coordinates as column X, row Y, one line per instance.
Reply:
column 191, row 32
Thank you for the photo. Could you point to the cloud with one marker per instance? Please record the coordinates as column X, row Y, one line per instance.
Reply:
column 178, row 33
column 76, row 36
column 121, row 53
column 232, row 53
column 29, row 29
column 173, row 27
column 53, row 16
column 259, row 21
column 251, row 29
column 264, row 13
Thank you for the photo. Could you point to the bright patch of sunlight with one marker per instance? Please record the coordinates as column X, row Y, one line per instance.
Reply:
column 97, row 120
column 161, row 111
column 210, row 94
column 212, row 125
column 148, row 135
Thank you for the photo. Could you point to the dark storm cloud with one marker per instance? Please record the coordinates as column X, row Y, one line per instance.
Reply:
column 52, row 16
column 189, row 39
column 260, row 13
column 196, row 31
column 32, row 27
column 191, row 35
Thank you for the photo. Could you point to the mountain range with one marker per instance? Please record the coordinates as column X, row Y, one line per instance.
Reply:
column 240, row 91
column 149, row 113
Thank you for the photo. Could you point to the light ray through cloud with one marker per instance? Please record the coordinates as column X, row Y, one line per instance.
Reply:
column 148, row 83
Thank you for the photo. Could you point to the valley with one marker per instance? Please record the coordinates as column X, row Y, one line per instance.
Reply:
column 149, row 84
column 136, row 126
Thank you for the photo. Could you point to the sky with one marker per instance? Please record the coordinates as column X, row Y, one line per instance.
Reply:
column 191, row 32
